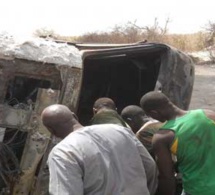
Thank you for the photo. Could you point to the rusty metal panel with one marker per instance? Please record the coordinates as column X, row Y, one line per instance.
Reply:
column 69, row 96
column 2, row 132
column 36, row 143
column 2, row 86
column 11, row 117
column 71, row 88
column 179, row 69
column 6, row 73
column 41, row 185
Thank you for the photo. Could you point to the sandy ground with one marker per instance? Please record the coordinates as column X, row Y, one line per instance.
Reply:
column 203, row 95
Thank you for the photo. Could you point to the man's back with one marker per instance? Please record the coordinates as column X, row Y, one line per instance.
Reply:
column 146, row 132
column 102, row 160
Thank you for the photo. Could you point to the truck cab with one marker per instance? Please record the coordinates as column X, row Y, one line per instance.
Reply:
column 36, row 73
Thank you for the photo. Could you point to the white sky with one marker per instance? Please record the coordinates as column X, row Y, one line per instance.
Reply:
column 75, row 17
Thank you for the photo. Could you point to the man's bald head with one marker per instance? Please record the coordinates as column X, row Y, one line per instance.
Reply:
column 58, row 119
column 132, row 111
column 104, row 102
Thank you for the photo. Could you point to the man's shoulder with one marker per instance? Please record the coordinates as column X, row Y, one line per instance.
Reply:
column 90, row 131
column 70, row 139
column 87, row 136
column 107, row 131
column 70, row 143
column 209, row 114
column 78, row 137
column 105, row 127
column 150, row 126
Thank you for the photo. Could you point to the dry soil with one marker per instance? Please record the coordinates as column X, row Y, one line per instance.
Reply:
column 203, row 95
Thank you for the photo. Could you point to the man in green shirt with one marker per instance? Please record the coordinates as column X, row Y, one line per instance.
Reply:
column 190, row 135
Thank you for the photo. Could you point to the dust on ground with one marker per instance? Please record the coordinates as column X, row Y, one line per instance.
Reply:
column 203, row 95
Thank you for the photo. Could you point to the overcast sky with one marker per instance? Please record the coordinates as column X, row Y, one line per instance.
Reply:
column 75, row 17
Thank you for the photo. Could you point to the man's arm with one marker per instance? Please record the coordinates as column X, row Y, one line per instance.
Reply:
column 161, row 146
column 65, row 174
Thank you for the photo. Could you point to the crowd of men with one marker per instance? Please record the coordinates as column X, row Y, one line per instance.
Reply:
column 144, row 150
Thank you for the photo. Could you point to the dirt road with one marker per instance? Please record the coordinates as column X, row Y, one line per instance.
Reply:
column 204, row 87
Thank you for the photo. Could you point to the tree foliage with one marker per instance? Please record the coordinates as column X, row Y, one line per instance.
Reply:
column 210, row 40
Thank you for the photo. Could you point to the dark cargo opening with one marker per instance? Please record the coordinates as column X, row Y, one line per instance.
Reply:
column 124, row 78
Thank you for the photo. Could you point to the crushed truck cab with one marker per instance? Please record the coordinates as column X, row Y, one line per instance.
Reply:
column 36, row 73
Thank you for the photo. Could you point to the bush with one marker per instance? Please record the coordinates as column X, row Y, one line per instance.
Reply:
column 131, row 33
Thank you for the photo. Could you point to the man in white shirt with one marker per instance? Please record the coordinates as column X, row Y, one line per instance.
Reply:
column 96, row 160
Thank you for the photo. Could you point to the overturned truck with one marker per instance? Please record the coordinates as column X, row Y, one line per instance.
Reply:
column 38, row 72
